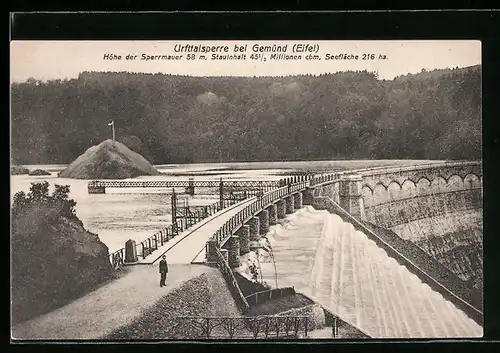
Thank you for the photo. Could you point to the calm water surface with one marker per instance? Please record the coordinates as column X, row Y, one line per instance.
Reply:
column 123, row 214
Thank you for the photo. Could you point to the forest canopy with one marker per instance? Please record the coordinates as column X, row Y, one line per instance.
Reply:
column 182, row 119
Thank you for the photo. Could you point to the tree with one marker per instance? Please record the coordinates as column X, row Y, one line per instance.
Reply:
column 59, row 202
column 60, row 197
column 39, row 192
column 19, row 202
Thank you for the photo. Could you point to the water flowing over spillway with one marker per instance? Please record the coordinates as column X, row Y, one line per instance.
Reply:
column 327, row 259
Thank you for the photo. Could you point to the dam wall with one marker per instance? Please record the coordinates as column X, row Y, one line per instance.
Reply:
column 438, row 207
column 442, row 216
column 395, row 258
column 427, row 216
column 398, row 203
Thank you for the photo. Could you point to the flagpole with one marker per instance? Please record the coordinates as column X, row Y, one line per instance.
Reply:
column 112, row 124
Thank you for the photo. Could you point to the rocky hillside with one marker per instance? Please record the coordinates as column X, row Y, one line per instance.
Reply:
column 54, row 258
column 109, row 160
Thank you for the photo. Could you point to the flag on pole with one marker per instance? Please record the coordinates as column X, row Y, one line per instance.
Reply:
column 112, row 124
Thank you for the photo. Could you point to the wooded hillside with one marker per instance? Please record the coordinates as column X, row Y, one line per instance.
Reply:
column 178, row 119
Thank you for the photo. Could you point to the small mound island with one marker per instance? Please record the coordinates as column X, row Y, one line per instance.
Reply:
column 109, row 160
column 18, row 170
column 38, row 172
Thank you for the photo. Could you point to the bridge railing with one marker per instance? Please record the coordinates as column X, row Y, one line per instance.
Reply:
column 147, row 246
column 237, row 184
column 323, row 178
column 228, row 275
column 264, row 296
column 330, row 177
column 117, row 258
column 407, row 168
column 250, row 210
column 263, row 327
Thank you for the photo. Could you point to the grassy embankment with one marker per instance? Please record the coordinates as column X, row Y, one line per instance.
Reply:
column 208, row 296
column 205, row 295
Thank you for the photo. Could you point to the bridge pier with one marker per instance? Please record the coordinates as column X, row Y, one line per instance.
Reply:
column 273, row 214
column 297, row 200
column 281, row 209
column 244, row 236
column 96, row 189
column 234, row 251
column 263, row 222
column 289, row 205
column 308, row 196
column 190, row 188
column 350, row 198
column 210, row 251
column 254, row 226
column 130, row 251
column 336, row 192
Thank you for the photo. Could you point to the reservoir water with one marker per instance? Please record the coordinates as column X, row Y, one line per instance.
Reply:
column 123, row 214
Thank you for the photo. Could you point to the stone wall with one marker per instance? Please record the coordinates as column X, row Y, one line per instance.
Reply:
column 422, row 207
column 381, row 193
column 461, row 252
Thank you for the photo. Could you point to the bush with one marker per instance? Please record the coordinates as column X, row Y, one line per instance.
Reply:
column 39, row 195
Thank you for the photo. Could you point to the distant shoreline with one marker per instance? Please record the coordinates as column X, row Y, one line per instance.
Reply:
column 262, row 164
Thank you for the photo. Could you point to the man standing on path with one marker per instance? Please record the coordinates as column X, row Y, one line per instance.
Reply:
column 163, row 271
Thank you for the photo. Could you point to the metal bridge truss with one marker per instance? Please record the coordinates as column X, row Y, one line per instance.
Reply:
column 229, row 184
column 188, row 212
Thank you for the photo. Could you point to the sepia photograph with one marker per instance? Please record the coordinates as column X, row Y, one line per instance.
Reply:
column 247, row 190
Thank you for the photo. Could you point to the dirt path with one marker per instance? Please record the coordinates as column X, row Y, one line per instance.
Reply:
column 109, row 307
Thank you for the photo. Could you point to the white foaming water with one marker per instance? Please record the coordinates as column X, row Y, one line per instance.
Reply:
column 278, row 231
column 270, row 237
column 327, row 259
